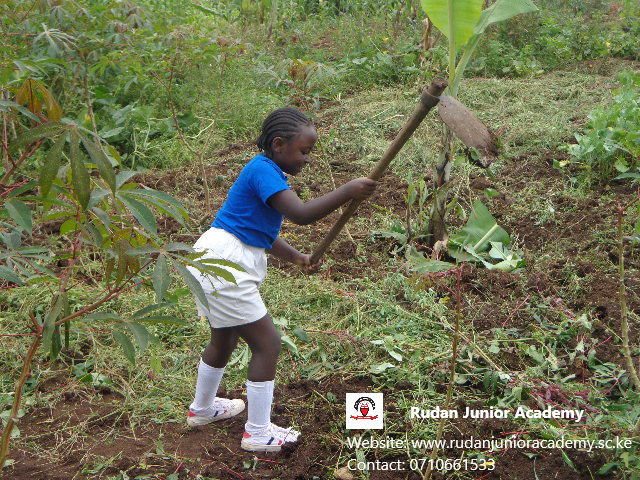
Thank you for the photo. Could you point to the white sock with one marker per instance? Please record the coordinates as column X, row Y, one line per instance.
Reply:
column 206, row 387
column 259, row 399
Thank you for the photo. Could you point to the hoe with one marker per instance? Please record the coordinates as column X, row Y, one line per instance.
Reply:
column 454, row 114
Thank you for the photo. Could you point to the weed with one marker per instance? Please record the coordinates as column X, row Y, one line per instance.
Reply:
column 610, row 142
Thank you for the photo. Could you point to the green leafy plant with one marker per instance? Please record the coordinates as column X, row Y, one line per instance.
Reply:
column 102, row 215
column 483, row 241
column 415, row 220
column 302, row 79
column 610, row 144
column 622, row 297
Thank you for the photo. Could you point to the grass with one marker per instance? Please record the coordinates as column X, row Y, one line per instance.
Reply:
column 533, row 115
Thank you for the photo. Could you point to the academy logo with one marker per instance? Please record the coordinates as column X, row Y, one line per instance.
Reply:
column 364, row 410
column 364, row 404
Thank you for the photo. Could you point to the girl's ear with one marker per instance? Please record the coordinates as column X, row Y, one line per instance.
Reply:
column 277, row 144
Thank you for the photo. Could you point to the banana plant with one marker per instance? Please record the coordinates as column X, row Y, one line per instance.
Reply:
column 463, row 22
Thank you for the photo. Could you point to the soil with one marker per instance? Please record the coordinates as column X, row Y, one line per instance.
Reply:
column 72, row 432
column 70, row 439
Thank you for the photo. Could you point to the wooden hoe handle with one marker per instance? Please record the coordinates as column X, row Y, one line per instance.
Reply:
column 428, row 100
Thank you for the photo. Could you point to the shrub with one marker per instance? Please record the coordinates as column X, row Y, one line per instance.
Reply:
column 611, row 141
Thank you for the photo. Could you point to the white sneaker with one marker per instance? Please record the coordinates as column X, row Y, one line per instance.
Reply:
column 290, row 434
column 221, row 409
column 269, row 440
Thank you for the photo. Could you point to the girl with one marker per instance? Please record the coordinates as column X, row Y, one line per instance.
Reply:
column 246, row 227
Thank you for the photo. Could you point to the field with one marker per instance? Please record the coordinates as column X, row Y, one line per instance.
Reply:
column 550, row 333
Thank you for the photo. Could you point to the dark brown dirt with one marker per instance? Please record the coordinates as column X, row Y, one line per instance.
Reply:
column 78, row 435
column 93, row 441
column 518, row 464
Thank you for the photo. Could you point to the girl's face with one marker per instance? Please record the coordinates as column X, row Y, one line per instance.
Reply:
column 293, row 154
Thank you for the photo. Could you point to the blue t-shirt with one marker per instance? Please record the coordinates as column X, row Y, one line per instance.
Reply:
column 245, row 213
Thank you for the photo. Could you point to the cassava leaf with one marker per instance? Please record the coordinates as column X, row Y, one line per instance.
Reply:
column 79, row 174
column 177, row 247
column 53, row 108
column 100, row 159
column 144, row 250
column 141, row 212
column 103, row 316
column 288, row 342
column 51, row 165
column 9, row 275
column 301, row 334
column 165, row 319
column 210, row 269
column 225, row 263
column 140, row 333
column 124, row 177
column 191, row 282
column 57, row 307
column 20, row 213
column 56, row 343
column 45, row 130
column 150, row 308
column 127, row 347
column 7, row 105
column 162, row 201
column 161, row 278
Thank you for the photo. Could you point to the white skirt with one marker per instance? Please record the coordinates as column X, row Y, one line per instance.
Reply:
column 231, row 304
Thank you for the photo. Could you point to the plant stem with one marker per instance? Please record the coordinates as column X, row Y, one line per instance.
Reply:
column 27, row 154
column 452, row 47
column 437, row 229
column 452, row 371
column 272, row 18
column 17, row 398
column 5, row 138
column 622, row 295
column 485, row 237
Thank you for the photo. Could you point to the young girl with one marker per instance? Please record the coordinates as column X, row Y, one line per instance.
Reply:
column 246, row 227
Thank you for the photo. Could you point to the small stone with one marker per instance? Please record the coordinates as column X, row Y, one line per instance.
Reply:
column 343, row 474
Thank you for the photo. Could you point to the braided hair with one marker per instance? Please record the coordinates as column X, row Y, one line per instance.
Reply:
column 284, row 123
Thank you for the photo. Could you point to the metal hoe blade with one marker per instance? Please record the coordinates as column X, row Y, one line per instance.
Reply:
column 466, row 126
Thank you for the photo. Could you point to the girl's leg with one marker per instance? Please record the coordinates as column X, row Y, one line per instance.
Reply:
column 210, row 371
column 218, row 352
column 264, row 341
column 260, row 434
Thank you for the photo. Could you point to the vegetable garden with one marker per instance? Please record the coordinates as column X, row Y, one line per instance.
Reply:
column 498, row 277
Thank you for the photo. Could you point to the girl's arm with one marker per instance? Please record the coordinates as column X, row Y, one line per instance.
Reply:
column 290, row 205
column 286, row 252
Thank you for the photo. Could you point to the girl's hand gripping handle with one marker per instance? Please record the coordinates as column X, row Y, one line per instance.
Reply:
column 361, row 188
column 304, row 262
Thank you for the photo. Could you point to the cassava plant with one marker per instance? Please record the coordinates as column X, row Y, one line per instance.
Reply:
column 622, row 296
column 102, row 216
column 463, row 22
